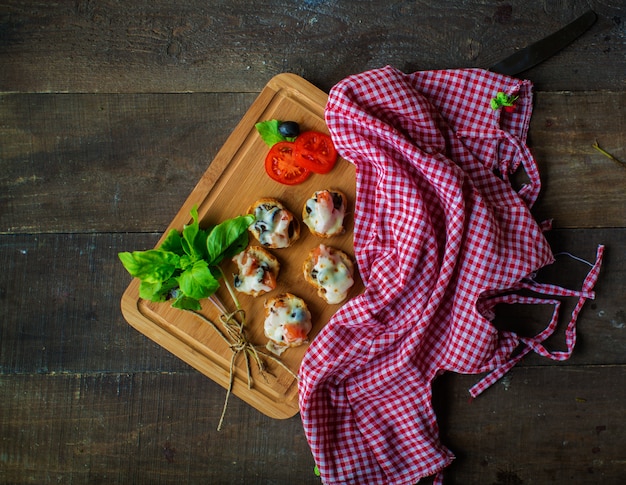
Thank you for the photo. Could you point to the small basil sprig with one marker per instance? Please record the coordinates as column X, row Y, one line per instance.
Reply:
column 270, row 133
column 185, row 266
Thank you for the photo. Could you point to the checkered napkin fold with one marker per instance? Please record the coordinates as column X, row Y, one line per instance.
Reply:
column 440, row 238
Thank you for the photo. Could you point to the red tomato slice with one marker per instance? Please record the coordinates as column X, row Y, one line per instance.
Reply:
column 281, row 166
column 315, row 151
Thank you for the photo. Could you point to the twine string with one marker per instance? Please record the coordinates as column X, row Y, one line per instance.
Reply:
column 237, row 340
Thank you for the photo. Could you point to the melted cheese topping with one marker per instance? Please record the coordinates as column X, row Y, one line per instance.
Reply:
column 322, row 215
column 252, row 274
column 332, row 275
column 287, row 321
column 272, row 224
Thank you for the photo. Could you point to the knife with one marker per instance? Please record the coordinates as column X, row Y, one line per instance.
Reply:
column 539, row 51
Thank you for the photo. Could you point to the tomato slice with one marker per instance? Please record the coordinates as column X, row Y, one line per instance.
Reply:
column 315, row 151
column 281, row 166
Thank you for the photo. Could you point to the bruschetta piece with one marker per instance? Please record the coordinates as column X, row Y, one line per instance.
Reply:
column 275, row 226
column 324, row 213
column 257, row 271
column 330, row 271
column 287, row 322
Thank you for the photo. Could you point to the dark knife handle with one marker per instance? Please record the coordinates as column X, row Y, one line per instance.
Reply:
column 532, row 55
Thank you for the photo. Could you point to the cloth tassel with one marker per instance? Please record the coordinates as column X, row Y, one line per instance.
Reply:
column 535, row 343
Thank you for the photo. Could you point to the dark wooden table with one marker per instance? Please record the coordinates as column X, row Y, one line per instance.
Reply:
column 109, row 114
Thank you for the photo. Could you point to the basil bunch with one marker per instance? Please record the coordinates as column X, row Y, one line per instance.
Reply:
column 185, row 266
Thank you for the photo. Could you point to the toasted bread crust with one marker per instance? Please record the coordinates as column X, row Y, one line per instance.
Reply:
column 265, row 200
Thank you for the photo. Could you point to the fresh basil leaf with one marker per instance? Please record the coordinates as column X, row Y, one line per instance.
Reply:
column 185, row 262
column 152, row 266
column 185, row 266
column 269, row 132
column 236, row 247
column 186, row 303
column 190, row 231
column 166, row 289
column 150, row 291
column 200, row 243
column 172, row 243
column 228, row 238
column 194, row 238
column 197, row 281
column 157, row 291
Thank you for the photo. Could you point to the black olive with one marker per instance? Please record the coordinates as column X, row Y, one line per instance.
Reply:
column 337, row 200
column 289, row 129
column 260, row 226
column 276, row 213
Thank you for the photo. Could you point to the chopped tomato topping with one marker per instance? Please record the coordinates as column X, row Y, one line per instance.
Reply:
column 294, row 332
column 269, row 279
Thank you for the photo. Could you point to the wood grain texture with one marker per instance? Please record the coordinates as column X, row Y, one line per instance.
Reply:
column 80, row 161
column 535, row 426
column 563, row 130
column 144, row 428
column 77, row 282
column 160, row 46
column 159, row 428
column 60, row 306
column 111, row 111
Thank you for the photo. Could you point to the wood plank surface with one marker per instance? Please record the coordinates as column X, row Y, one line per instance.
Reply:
column 536, row 426
column 136, row 428
column 161, row 46
column 80, row 161
column 111, row 111
column 60, row 304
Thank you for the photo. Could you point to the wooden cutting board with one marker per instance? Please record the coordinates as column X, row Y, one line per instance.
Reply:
column 233, row 181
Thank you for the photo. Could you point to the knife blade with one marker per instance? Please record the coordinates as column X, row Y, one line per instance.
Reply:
column 539, row 51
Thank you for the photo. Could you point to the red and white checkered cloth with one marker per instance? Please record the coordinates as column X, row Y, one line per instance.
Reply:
column 440, row 236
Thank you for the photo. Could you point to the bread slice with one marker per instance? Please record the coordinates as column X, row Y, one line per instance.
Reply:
column 324, row 212
column 287, row 322
column 275, row 226
column 257, row 271
column 330, row 271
